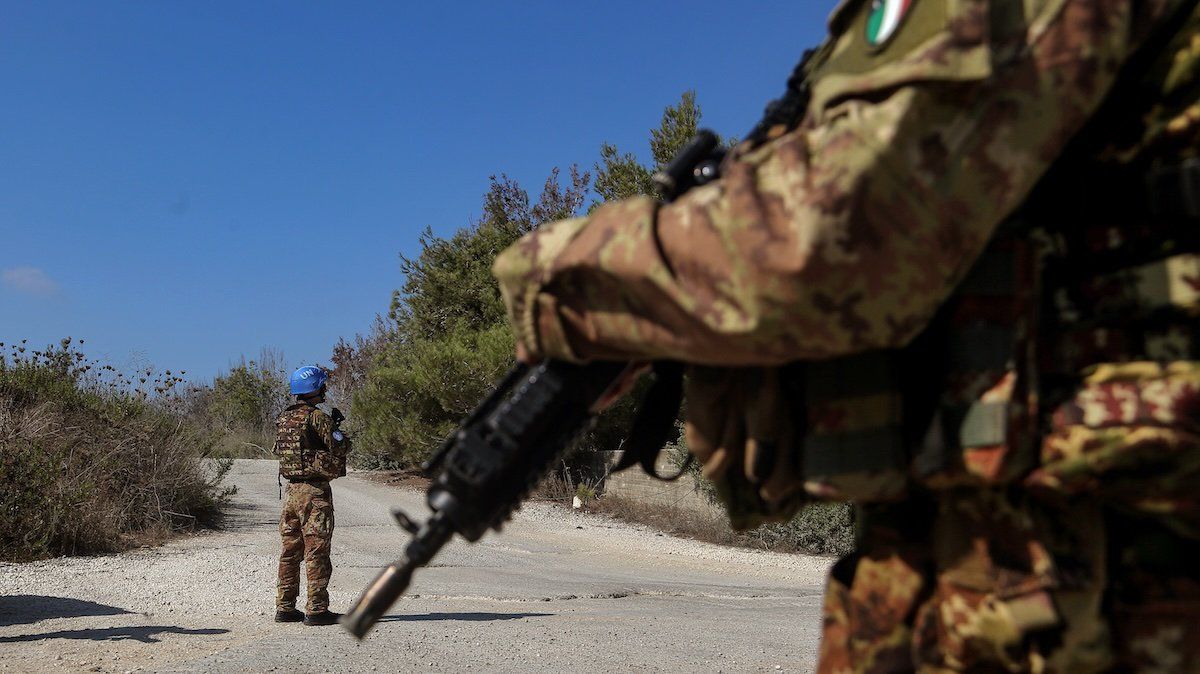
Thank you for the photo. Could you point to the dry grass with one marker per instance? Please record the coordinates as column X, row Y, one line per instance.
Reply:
column 93, row 467
column 818, row 529
column 684, row 522
column 411, row 478
column 555, row 488
column 240, row 443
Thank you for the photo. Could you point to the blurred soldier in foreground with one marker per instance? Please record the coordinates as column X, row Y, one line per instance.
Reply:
column 312, row 451
column 952, row 278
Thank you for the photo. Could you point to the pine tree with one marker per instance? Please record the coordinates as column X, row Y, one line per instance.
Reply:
column 620, row 175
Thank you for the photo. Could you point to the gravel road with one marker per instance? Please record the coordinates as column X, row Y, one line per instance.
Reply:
column 556, row 591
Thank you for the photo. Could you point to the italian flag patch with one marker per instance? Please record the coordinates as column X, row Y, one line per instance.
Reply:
column 884, row 19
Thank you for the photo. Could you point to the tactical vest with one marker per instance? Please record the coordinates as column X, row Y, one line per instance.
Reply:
column 302, row 455
column 1068, row 359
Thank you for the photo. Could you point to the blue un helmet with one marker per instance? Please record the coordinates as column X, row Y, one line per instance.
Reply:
column 307, row 379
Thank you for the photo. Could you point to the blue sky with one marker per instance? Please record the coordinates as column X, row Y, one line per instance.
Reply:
column 184, row 183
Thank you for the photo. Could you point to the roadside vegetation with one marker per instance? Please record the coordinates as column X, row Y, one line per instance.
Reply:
column 819, row 529
column 444, row 342
column 240, row 407
column 95, row 460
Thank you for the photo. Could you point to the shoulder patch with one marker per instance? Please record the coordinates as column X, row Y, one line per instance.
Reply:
column 884, row 20
column 883, row 44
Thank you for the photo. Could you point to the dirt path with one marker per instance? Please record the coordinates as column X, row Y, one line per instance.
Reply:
column 556, row 591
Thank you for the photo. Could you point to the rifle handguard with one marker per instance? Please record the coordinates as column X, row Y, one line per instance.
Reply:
column 483, row 472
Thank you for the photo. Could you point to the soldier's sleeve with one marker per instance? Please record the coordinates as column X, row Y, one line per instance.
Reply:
column 847, row 233
column 341, row 444
column 321, row 426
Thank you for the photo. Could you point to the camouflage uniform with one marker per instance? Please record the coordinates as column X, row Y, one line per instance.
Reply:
column 310, row 457
column 1004, row 378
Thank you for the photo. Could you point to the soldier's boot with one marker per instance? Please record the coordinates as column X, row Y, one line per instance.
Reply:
column 321, row 618
column 288, row 615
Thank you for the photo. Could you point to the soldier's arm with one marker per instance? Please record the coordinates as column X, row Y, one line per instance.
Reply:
column 341, row 444
column 322, row 428
column 847, row 233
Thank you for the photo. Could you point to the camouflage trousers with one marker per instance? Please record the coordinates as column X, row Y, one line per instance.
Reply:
column 306, row 526
column 996, row 581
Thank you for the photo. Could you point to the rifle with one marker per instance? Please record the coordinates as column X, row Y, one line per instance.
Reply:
column 336, row 415
column 483, row 472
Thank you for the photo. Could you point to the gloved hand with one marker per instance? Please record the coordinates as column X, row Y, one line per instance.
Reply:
column 741, row 425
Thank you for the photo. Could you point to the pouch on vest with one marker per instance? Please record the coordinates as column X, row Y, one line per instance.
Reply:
column 1121, row 379
column 984, row 429
column 328, row 465
column 995, row 586
column 853, row 447
column 864, row 443
column 1131, row 435
column 302, row 453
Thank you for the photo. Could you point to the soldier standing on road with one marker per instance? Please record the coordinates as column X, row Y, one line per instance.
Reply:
column 953, row 278
column 311, row 451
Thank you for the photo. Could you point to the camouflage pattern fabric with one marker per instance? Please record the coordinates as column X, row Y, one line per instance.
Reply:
column 329, row 461
column 1156, row 601
column 306, row 526
column 291, row 441
column 872, row 596
column 1131, row 436
column 339, row 456
column 306, row 446
column 995, row 581
column 848, row 233
column 1004, row 549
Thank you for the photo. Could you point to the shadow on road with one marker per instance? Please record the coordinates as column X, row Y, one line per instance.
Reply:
column 145, row 634
column 469, row 617
column 24, row 609
column 237, row 514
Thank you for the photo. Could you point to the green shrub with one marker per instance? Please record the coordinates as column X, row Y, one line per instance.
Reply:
column 446, row 340
column 93, row 460
column 241, row 406
column 819, row 528
column 420, row 391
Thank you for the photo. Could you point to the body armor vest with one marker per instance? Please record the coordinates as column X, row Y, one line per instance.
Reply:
column 302, row 454
column 1067, row 360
